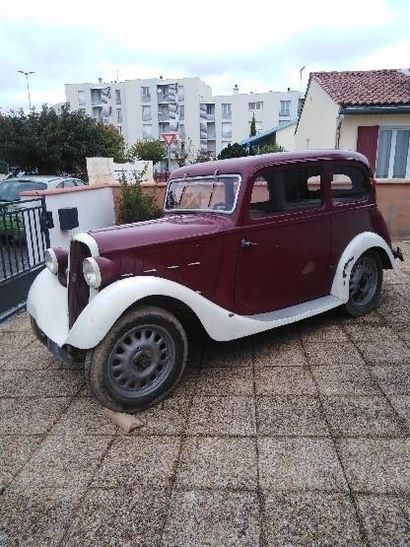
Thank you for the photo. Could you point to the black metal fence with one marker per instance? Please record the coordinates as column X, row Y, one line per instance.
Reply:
column 23, row 241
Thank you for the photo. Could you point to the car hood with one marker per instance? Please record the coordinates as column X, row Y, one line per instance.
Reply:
column 168, row 229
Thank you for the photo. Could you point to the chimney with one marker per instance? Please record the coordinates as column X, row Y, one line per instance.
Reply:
column 100, row 80
column 236, row 89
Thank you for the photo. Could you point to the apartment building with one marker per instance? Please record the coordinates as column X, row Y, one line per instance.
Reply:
column 146, row 108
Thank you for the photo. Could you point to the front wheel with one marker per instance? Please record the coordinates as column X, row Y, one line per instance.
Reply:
column 139, row 361
column 365, row 285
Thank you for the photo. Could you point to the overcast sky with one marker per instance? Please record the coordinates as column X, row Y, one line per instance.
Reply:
column 258, row 45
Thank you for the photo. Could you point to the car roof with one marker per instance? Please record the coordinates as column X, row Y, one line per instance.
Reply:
column 247, row 165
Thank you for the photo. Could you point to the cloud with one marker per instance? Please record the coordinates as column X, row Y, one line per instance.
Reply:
column 259, row 47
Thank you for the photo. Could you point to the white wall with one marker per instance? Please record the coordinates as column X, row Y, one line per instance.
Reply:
column 95, row 210
column 286, row 138
column 318, row 121
column 350, row 123
column 105, row 170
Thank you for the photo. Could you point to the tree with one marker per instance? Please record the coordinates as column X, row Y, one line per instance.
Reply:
column 252, row 132
column 232, row 151
column 182, row 152
column 135, row 205
column 268, row 148
column 45, row 142
column 152, row 150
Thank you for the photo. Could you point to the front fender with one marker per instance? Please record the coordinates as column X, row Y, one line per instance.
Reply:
column 358, row 245
column 109, row 304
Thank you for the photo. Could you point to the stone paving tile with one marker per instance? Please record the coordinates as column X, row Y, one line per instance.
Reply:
column 346, row 380
column 401, row 404
column 373, row 318
column 271, row 354
column 370, row 333
column 228, row 354
column 16, row 340
column 212, row 462
column 212, row 518
column 147, row 461
column 84, row 417
column 386, row 519
column 32, row 416
column 37, row 517
column 385, row 352
column 187, row 385
column 300, row 463
column 228, row 381
column 290, row 415
column 328, row 354
column 14, row 454
column 310, row 518
column 222, row 416
column 393, row 380
column 32, row 357
column 365, row 416
column 376, row 465
column 169, row 417
column 284, row 381
column 63, row 462
column 317, row 334
column 18, row 323
column 120, row 517
column 40, row 383
column 404, row 334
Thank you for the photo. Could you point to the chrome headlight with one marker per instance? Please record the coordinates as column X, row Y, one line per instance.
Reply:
column 51, row 261
column 92, row 272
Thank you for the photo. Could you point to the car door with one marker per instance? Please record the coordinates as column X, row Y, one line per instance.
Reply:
column 283, row 256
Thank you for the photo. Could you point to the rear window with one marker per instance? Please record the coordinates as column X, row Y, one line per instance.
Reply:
column 349, row 183
column 10, row 191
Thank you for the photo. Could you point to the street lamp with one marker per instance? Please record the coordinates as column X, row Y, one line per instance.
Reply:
column 27, row 74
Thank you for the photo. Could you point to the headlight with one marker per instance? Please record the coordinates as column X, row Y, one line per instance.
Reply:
column 51, row 261
column 56, row 260
column 92, row 273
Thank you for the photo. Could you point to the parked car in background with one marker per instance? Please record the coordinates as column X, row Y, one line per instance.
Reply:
column 245, row 245
column 11, row 223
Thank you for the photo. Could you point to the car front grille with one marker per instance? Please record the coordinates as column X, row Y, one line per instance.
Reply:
column 78, row 290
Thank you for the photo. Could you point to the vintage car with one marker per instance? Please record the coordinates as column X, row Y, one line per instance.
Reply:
column 244, row 245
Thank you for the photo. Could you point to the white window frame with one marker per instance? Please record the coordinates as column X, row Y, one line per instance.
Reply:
column 393, row 129
column 285, row 111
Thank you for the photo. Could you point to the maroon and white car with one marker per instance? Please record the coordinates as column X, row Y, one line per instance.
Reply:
column 245, row 245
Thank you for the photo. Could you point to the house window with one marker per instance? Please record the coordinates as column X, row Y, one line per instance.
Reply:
column 182, row 112
column 145, row 95
column 284, row 108
column 146, row 113
column 81, row 98
column 226, row 130
column 147, row 131
column 119, row 115
column 181, row 93
column 393, row 153
column 258, row 105
column 181, row 130
column 226, row 111
column 117, row 96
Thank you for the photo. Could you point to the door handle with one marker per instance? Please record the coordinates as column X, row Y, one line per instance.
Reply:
column 245, row 243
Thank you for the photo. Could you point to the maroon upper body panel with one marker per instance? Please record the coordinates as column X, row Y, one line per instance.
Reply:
column 253, row 260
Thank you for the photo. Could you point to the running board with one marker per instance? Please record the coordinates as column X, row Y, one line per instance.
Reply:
column 297, row 312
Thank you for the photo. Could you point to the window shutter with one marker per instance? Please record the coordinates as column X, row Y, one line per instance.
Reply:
column 367, row 142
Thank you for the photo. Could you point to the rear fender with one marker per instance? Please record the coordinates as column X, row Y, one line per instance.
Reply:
column 358, row 245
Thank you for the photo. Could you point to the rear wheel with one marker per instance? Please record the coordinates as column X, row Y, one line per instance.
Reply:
column 140, row 360
column 365, row 285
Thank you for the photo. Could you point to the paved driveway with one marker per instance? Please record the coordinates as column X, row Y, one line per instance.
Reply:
column 295, row 437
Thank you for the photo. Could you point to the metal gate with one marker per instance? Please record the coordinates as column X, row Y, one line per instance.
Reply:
column 23, row 240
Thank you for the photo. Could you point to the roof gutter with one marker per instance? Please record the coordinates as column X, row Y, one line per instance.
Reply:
column 375, row 109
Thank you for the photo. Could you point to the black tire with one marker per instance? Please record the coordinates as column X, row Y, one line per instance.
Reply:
column 140, row 360
column 365, row 285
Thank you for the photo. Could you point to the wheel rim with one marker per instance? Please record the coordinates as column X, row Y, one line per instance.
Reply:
column 140, row 361
column 363, row 281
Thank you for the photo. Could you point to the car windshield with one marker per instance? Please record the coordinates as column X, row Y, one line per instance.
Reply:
column 10, row 191
column 215, row 193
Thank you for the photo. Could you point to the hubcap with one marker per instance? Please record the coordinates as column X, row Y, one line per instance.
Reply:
column 363, row 281
column 140, row 360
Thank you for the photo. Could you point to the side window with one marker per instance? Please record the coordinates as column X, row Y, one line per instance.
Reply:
column 285, row 190
column 348, row 183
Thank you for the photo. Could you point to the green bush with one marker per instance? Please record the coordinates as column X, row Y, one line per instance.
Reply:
column 135, row 206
